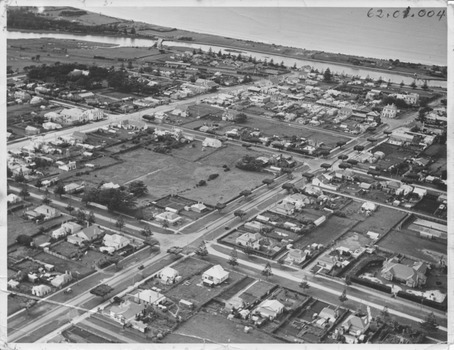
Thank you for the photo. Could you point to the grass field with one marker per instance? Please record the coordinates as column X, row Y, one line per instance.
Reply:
column 326, row 232
column 18, row 226
column 194, row 291
column 63, row 265
column 216, row 329
column 179, row 173
column 408, row 242
column 380, row 221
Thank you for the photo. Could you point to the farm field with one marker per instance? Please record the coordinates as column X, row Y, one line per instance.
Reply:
column 179, row 173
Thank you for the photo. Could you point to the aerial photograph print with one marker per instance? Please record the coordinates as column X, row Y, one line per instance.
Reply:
column 231, row 177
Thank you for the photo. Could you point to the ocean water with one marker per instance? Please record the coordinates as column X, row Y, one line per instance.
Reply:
column 344, row 30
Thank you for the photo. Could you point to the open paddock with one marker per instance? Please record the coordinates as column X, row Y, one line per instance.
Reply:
column 18, row 226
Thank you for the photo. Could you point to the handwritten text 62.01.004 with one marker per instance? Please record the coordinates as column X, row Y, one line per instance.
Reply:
column 390, row 13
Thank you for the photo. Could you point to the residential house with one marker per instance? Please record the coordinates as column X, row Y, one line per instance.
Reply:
column 296, row 256
column 51, row 126
column 73, row 187
column 368, row 207
column 249, row 239
column 168, row 275
column 199, row 207
column 76, row 240
column 41, row 290
column 210, row 142
column 126, row 311
column 326, row 317
column 169, row 217
column 72, row 116
column 79, row 136
column 61, row 280
column 48, row 212
column 13, row 199
column 148, row 297
column 90, row 233
column 413, row 276
column 68, row 167
column 215, row 275
column 31, row 130
column 270, row 308
column 67, row 228
column 355, row 325
column 115, row 241
column 389, row 111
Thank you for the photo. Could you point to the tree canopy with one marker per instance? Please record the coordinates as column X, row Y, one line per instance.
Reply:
column 102, row 290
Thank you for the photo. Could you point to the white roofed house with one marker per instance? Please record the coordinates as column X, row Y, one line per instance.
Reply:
column 61, row 280
column 13, row 199
column 48, row 212
column 67, row 228
column 270, row 309
column 168, row 275
column 73, row 116
column 249, row 239
column 41, row 290
column 115, row 241
column 211, row 142
column 51, row 126
column 31, row 130
column 215, row 275
column 389, row 111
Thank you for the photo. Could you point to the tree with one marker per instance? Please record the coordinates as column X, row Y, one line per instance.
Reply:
column 9, row 172
column 239, row 213
column 46, row 200
column 151, row 241
column 80, row 217
column 402, row 84
column 133, row 31
column 138, row 188
column 267, row 272
column 343, row 296
column 24, row 192
column 202, row 250
column 340, row 143
column 38, row 183
column 358, row 148
column 24, row 240
column 248, row 250
column 130, row 66
column 288, row 186
column 304, row 283
column 233, row 261
column 425, row 86
column 120, row 223
column 20, row 176
column 241, row 118
column 59, row 190
column 146, row 231
column 69, row 208
column 102, row 290
column 268, row 181
column 220, row 206
column 245, row 193
column 327, row 76
column 91, row 217
column 413, row 85
column 430, row 323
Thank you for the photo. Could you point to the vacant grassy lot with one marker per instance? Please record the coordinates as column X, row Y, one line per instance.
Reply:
column 18, row 226
column 326, row 232
column 274, row 127
column 217, row 329
column 178, row 173
column 380, row 221
column 408, row 242
column 63, row 265
column 194, row 291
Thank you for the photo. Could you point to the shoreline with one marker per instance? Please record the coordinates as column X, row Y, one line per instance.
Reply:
column 234, row 47
column 375, row 69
